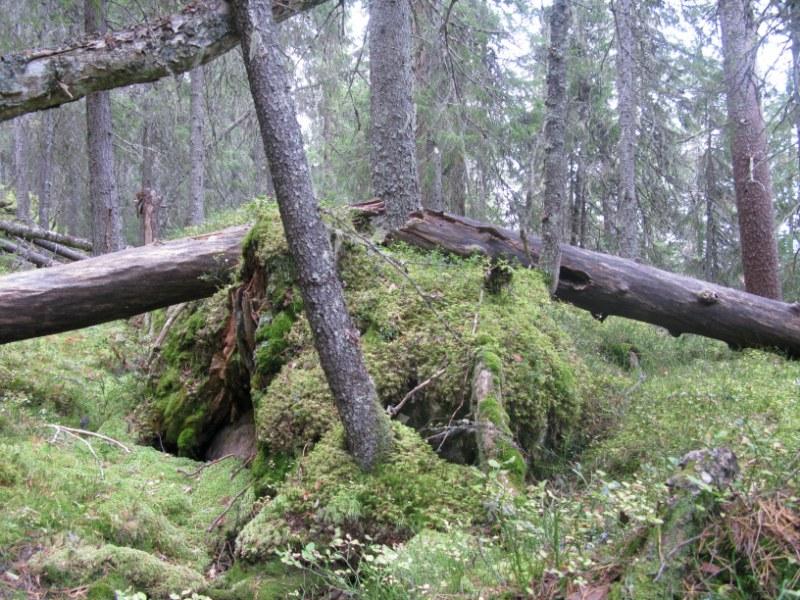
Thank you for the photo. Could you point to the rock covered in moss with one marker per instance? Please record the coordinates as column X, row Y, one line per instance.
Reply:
column 135, row 568
column 414, row 489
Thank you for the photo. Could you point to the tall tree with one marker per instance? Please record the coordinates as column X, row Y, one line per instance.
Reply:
column 21, row 184
column 555, row 161
column 46, row 167
column 336, row 339
column 197, row 177
column 627, row 221
column 748, row 139
column 106, row 215
column 393, row 160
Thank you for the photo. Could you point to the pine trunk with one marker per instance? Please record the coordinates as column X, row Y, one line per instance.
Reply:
column 46, row 168
column 21, row 185
column 106, row 216
column 393, row 162
column 627, row 221
column 748, row 139
column 197, row 185
column 555, row 161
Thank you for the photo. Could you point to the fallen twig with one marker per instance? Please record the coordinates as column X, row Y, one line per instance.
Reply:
column 230, row 504
column 393, row 410
column 73, row 430
column 204, row 466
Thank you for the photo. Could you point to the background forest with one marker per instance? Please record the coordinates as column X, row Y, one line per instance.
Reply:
column 479, row 88
column 312, row 410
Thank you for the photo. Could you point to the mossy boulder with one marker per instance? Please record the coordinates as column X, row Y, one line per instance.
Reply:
column 328, row 492
column 130, row 567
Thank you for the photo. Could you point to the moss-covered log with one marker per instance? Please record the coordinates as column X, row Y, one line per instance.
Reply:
column 43, row 78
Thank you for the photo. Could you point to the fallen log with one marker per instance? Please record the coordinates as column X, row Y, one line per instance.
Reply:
column 31, row 232
column 43, row 78
column 608, row 285
column 116, row 285
column 60, row 250
column 31, row 256
column 122, row 284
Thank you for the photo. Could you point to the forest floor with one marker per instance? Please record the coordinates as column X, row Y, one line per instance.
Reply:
column 84, row 517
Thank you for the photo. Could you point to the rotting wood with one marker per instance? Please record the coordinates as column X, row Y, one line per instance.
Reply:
column 30, row 232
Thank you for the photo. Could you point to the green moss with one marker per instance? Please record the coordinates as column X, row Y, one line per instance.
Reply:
column 83, row 564
column 412, row 490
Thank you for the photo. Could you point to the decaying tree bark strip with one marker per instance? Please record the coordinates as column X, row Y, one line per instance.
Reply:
column 116, row 285
column 30, row 232
column 38, row 79
column 608, row 285
column 122, row 284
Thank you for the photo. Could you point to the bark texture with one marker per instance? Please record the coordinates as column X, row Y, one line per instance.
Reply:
column 42, row 78
column 627, row 221
column 336, row 339
column 555, row 160
column 21, row 185
column 197, row 176
column 749, row 150
column 46, row 168
column 117, row 285
column 106, row 215
column 393, row 162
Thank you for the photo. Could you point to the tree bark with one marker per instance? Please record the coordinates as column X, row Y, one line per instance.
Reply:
column 46, row 170
column 197, row 177
column 32, row 232
column 748, row 137
column 103, row 196
column 60, row 250
column 336, row 339
column 42, row 78
column 393, row 162
column 21, row 187
column 136, row 280
column 627, row 220
column 555, row 160
column 117, row 285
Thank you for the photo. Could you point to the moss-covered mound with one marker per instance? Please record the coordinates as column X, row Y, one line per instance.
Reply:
column 329, row 495
column 422, row 318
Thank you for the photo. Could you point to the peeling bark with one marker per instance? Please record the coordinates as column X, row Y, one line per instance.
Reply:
column 42, row 78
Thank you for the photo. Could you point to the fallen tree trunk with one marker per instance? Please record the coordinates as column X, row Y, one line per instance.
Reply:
column 122, row 284
column 40, row 260
column 608, row 285
column 116, row 285
column 59, row 249
column 39, row 79
column 34, row 233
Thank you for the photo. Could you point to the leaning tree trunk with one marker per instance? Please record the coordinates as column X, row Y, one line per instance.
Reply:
column 38, row 79
column 393, row 162
column 197, row 177
column 106, row 217
column 748, row 137
column 555, row 160
column 336, row 339
column 627, row 221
